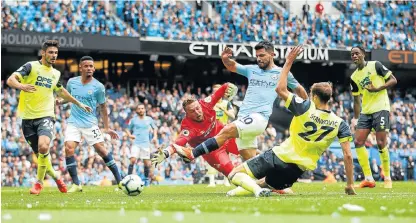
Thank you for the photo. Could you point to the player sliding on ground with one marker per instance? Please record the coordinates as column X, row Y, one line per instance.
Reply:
column 312, row 131
column 257, row 104
column 371, row 79
column 91, row 92
column 199, row 124
column 38, row 80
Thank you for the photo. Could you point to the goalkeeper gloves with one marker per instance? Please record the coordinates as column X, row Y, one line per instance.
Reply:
column 231, row 92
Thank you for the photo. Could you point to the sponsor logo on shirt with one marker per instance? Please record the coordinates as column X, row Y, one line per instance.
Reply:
column 262, row 83
column 43, row 82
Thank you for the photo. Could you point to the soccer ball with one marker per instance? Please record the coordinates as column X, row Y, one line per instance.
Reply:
column 132, row 185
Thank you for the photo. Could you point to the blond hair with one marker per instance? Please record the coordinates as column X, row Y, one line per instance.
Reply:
column 188, row 100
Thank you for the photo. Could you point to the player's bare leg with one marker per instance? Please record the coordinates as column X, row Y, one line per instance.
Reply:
column 242, row 176
column 133, row 161
column 363, row 158
column 43, row 160
column 381, row 138
column 109, row 161
column 247, row 154
column 71, row 165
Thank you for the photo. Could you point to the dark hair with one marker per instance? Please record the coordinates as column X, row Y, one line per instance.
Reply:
column 360, row 48
column 50, row 43
column 266, row 45
column 84, row 58
column 140, row 105
column 323, row 90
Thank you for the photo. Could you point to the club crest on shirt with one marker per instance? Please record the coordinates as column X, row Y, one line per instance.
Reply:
column 208, row 99
column 185, row 132
column 89, row 91
column 274, row 77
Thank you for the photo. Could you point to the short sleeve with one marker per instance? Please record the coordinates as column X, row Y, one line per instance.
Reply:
column 58, row 86
column 152, row 123
column 354, row 88
column 68, row 86
column 243, row 70
column 382, row 70
column 101, row 95
column 297, row 105
column 344, row 133
column 24, row 70
column 292, row 83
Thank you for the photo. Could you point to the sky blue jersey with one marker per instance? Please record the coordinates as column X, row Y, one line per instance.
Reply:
column 261, row 93
column 140, row 128
column 92, row 95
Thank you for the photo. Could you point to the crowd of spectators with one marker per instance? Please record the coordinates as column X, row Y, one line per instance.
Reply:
column 164, row 106
column 373, row 24
column 64, row 16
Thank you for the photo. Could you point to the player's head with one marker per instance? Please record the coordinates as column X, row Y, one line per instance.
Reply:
column 357, row 54
column 264, row 53
column 193, row 109
column 140, row 110
column 86, row 66
column 49, row 51
column 215, row 87
column 321, row 92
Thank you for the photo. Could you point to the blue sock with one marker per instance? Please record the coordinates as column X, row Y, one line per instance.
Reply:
column 109, row 161
column 146, row 175
column 206, row 147
column 71, row 166
column 131, row 167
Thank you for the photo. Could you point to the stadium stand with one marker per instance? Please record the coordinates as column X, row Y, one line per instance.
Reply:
column 63, row 17
column 375, row 25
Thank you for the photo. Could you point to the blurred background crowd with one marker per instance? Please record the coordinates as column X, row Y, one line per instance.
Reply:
column 164, row 106
column 373, row 24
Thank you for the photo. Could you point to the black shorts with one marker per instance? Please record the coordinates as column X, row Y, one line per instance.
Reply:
column 33, row 128
column 379, row 121
column 279, row 175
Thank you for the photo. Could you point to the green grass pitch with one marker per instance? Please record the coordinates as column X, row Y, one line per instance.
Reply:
column 315, row 202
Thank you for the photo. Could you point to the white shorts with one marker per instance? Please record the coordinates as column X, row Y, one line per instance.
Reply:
column 140, row 152
column 92, row 135
column 249, row 127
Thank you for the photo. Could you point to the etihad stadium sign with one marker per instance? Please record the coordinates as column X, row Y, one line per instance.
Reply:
column 248, row 50
column 241, row 51
column 70, row 41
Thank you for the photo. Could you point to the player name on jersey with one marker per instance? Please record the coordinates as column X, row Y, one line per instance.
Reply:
column 323, row 121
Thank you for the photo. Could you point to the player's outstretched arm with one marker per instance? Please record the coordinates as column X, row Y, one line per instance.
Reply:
column 13, row 82
column 63, row 93
column 229, row 63
column 281, row 88
column 346, row 148
column 301, row 92
column 162, row 154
